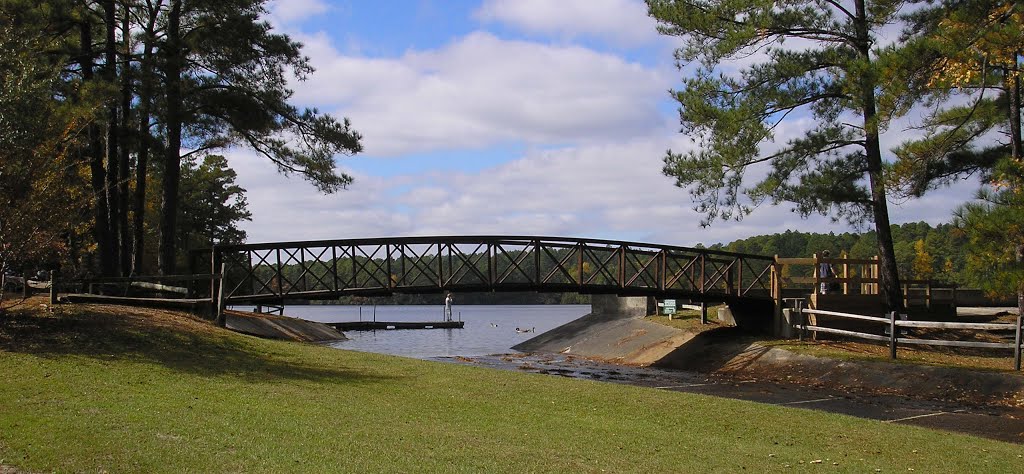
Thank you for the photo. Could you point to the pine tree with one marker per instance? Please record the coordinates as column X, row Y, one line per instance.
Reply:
column 971, row 51
column 225, row 75
column 832, row 73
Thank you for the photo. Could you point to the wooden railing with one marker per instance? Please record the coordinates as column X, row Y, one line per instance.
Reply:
column 895, row 322
column 272, row 272
column 860, row 276
column 183, row 286
column 27, row 285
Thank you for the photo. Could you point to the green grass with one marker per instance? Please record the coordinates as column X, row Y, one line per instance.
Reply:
column 92, row 389
column 688, row 319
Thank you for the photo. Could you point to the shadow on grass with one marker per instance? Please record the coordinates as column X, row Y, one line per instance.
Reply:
column 177, row 342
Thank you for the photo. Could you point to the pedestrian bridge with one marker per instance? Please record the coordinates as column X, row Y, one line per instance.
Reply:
column 328, row 269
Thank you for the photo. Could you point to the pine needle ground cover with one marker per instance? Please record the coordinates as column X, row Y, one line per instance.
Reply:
column 92, row 389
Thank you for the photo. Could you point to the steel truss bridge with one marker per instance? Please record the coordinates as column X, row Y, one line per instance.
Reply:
column 327, row 269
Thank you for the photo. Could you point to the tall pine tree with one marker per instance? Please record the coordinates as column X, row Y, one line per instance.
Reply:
column 225, row 76
column 968, row 54
column 817, row 59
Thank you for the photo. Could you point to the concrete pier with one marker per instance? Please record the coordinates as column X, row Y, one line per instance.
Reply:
column 624, row 306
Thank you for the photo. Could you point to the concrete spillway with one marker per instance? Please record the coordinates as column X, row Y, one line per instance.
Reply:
column 615, row 330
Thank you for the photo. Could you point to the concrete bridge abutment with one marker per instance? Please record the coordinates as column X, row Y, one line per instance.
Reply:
column 623, row 306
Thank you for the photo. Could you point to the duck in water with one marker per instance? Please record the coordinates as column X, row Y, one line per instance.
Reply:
column 526, row 330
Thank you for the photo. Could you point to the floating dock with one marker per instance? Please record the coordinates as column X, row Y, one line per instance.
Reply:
column 373, row 325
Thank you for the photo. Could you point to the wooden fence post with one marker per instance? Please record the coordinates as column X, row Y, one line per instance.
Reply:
column 53, row 287
column 802, row 318
column 215, row 264
column 25, row 293
column 892, row 335
column 817, row 277
column 1016, row 345
column 777, row 297
column 846, row 273
column 221, row 298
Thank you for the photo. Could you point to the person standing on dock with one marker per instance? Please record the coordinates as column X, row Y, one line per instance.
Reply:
column 448, row 307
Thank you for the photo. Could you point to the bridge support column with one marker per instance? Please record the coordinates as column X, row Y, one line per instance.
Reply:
column 626, row 306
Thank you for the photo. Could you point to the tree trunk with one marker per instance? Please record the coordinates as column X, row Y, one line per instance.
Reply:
column 1016, row 153
column 172, row 158
column 1020, row 284
column 101, row 225
column 1013, row 93
column 113, row 172
column 145, row 139
column 126, row 105
column 889, row 279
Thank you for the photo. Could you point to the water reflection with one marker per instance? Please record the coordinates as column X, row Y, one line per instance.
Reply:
column 489, row 329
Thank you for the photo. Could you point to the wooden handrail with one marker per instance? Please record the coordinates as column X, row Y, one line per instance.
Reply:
column 894, row 324
column 204, row 277
column 847, row 315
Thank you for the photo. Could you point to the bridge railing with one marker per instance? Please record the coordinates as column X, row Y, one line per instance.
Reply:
column 329, row 269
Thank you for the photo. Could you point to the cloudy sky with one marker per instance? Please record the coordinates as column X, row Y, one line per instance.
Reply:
column 522, row 117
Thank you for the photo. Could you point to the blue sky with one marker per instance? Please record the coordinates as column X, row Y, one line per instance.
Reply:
column 501, row 117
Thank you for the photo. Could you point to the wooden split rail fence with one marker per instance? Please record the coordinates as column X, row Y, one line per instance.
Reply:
column 896, row 323
column 189, row 292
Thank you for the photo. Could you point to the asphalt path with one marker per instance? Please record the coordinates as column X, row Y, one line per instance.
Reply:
column 995, row 422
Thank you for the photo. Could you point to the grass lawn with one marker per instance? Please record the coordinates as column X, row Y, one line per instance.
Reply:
column 91, row 388
column 688, row 320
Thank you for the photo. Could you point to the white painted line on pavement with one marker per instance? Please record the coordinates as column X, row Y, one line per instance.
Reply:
column 808, row 401
column 684, row 386
column 915, row 417
column 701, row 384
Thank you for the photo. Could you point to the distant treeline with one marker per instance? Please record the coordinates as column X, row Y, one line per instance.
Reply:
column 922, row 251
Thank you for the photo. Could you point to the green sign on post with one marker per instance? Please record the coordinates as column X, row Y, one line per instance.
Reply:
column 668, row 307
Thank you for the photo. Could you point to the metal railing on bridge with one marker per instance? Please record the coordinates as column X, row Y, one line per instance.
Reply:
column 332, row 268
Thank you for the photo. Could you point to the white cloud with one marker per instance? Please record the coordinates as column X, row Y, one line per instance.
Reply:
column 622, row 22
column 480, row 90
column 600, row 191
column 594, row 191
column 590, row 119
column 283, row 12
column 289, row 208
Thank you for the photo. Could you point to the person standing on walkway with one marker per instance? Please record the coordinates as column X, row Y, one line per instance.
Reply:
column 825, row 271
column 448, row 307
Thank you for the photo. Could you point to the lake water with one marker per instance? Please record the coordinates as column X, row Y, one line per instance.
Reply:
column 489, row 329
